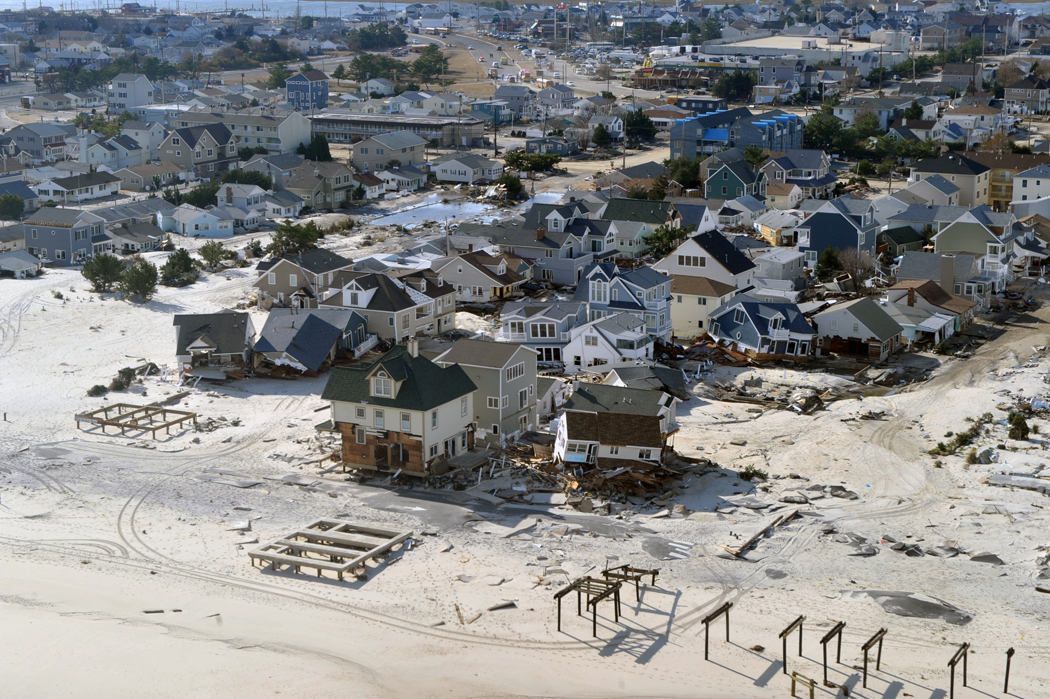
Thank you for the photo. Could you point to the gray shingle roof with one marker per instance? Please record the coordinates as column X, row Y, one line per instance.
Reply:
column 306, row 335
column 717, row 246
column 870, row 314
column 479, row 353
column 227, row 330
column 600, row 398
column 927, row 266
column 396, row 140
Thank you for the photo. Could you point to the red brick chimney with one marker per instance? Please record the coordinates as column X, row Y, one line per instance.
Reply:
column 229, row 195
column 911, row 296
column 541, row 233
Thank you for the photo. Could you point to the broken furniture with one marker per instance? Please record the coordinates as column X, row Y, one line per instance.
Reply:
column 626, row 573
column 596, row 591
column 136, row 417
column 796, row 624
column 836, row 631
column 329, row 544
column 868, row 645
column 804, row 681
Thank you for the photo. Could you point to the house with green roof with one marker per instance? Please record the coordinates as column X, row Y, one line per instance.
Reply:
column 654, row 213
column 401, row 413
column 899, row 240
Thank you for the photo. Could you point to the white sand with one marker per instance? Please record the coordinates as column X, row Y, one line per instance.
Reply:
column 154, row 537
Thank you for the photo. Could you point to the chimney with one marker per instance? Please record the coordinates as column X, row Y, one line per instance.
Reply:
column 470, row 247
column 572, row 199
column 948, row 273
column 229, row 194
column 541, row 233
column 413, row 347
column 911, row 296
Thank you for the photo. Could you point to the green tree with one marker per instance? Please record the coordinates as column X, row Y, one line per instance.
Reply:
column 822, row 131
column 601, row 136
column 1018, row 427
column 172, row 196
column 103, row 271
column 828, row 264
column 756, row 156
column 246, row 153
column 238, row 176
column 213, row 253
column 711, row 29
column 431, row 63
column 685, row 171
column 279, row 73
column 531, row 162
column 179, row 269
column 867, row 125
column 292, row 239
column 11, row 207
column 638, row 127
column 914, row 111
column 513, row 185
column 140, row 279
column 339, row 73
column 202, row 196
column 665, row 239
column 736, row 86
column 317, row 150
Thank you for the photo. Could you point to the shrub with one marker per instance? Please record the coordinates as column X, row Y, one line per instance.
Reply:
column 103, row 271
column 97, row 390
column 58, row 294
column 180, row 269
column 140, row 280
column 753, row 473
column 971, row 456
column 1018, row 427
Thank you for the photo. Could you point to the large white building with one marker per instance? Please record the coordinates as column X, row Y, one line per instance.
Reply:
column 128, row 91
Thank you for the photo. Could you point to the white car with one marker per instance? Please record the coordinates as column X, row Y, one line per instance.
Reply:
column 570, row 84
column 470, row 48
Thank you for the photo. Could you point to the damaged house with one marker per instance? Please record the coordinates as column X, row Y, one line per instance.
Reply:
column 401, row 413
column 307, row 340
column 222, row 340
column 763, row 330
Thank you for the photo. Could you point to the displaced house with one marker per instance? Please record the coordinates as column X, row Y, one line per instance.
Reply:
column 608, row 441
column 505, row 376
column 650, row 378
column 763, row 330
column 135, row 237
column 859, row 328
column 920, row 326
column 403, row 179
column 600, row 398
column 308, row 340
column 19, row 264
column 401, row 413
column 78, row 188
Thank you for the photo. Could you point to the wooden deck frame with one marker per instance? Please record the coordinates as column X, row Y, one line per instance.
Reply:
column 345, row 547
column 136, row 417
column 628, row 573
column 596, row 591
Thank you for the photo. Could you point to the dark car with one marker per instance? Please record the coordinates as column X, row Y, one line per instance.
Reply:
column 499, row 48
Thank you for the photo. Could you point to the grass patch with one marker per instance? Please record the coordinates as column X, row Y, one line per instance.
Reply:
column 962, row 439
column 753, row 473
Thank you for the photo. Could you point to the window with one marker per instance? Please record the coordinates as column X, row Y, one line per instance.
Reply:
column 293, row 280
column 211, row 152
column 543, row 330
column 495, row 429
column 493, row 402
column 576, row 448
column 590, row 340
column 517, row 327
column 383, row 388
column 738, row 316
column 271, row 278
column 1024, row 183
column 523, row 398
column 360, row 413
column 390, row 321
column 506, row 401
column 360, row 435
column 378, row 419
column 516, row 371
column 645, row 454
column 614, row 451
column 178, row 154
column 404, row 322
column 433, row 419
column 353, row 298
column 433, row 451
column 406, row 422
column 463, row 407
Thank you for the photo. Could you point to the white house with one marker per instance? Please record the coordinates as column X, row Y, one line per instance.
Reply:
column 78, row 188
column 190, row 221
column 712, row 256
column 612, row 341
column 128, row 91
column 468, row 169
column 1033, row 183
column 403, row 178
column 435, row 20
column 282, row 204
column 380, row 86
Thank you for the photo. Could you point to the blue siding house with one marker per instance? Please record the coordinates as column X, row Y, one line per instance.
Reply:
column 775, row 130
column 763, row 330
column 307, row 90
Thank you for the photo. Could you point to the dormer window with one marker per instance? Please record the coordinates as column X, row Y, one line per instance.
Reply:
column 382, row 386
column 774, row 323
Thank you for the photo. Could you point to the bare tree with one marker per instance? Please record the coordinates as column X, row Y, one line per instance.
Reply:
column 859, row 265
